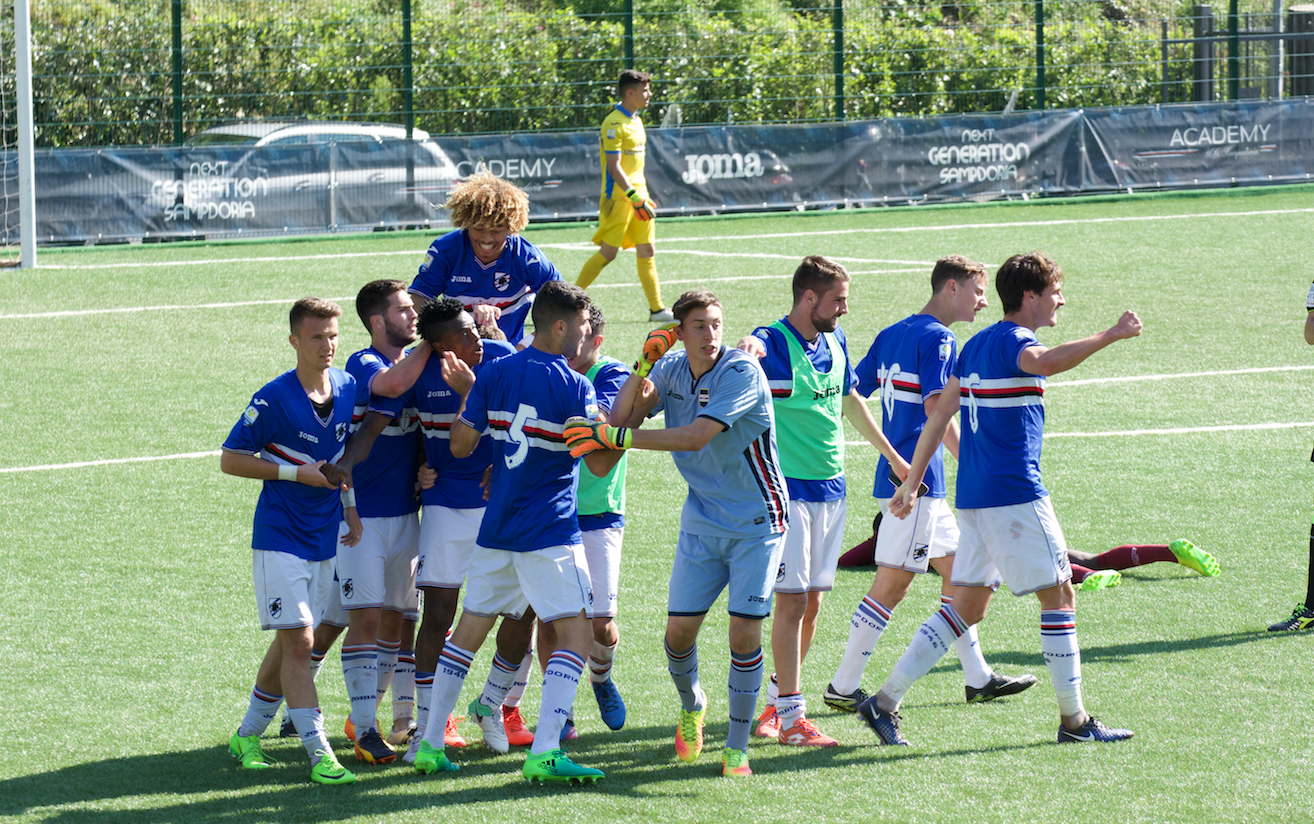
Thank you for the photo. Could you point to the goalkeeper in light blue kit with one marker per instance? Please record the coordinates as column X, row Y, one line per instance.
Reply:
column 720, row 428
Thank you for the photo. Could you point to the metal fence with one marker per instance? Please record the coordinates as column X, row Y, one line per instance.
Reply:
column 152, row 72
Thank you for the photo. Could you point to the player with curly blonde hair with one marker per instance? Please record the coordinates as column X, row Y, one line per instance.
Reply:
column 485, row 264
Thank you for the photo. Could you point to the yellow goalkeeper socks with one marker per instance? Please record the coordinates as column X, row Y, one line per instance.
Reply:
column 651, row 287
column 592, row 268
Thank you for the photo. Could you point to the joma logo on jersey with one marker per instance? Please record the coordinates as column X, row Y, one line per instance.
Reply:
column 829, row 393
column 306, row 436
column 439, row 393
column 460, row 279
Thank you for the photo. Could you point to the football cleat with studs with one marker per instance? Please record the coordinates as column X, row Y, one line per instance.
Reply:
column 555, row 766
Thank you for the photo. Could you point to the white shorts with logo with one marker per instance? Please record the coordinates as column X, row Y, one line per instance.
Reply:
column 379, row 571
column 553, row 580
column 602, row 553
column 811, row 547
column 1021, row 544
column 929, row 531
column 447, row 542
column 290, row 592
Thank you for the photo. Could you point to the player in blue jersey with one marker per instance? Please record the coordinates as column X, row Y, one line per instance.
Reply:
column 486, row 264
column 376, row 576
column 528, row 553
column 293, row 427
column 453, row 511
column 1009, row 533
column 721, row 431
column 907, row 368
column 602, row 527
column 1302, row 617
column 806, row 360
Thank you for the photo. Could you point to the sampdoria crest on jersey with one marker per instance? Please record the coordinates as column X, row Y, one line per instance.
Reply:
column 250, row 415
column 780, row 573
column 945, row 347
column 348, row 590
column 919, row 552
column 704, row 395
column 275, row 607
column 341, row 432
column 502, row 280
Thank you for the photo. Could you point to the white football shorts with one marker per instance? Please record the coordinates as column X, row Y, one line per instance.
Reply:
column 379, row 571
column 929, row 531
column 553, row 580
column 812, row 545
column 602, row 552
column 290, row 592
column 1022, row 545
column 447, row 541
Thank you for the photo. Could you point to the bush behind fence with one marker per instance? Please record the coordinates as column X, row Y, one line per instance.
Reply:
column 107, row 71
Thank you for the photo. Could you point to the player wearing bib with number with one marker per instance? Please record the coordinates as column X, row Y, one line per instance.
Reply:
column 1302, row 617
column 453, row 512
column 626, row 213
column 721, row 432
column 907, row 368
column 291, row 431
column 485, row 264
column 528, row 552
column 806, row 361
column 1009, row 533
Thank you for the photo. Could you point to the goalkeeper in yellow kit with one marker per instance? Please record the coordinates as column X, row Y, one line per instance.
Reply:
column 625, row 213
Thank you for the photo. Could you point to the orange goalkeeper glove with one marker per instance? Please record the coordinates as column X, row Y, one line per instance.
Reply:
column 658, row 343
column 584, row 436
column 643, row 207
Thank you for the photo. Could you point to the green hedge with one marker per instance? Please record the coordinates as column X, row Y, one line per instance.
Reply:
column 104, row 76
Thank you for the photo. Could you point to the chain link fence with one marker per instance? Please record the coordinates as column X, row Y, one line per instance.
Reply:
column 152, row 72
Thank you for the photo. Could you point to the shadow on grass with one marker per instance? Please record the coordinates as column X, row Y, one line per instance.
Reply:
column 206, row 785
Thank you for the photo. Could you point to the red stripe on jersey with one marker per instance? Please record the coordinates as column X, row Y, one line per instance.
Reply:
column 273, row 449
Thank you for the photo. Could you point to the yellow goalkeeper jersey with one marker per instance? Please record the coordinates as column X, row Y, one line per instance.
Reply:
column 622, row 133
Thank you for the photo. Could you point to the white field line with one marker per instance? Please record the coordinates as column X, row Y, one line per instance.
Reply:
column 1130, row 378
column 716, row 238
column 1126, row 433
column 130, row 309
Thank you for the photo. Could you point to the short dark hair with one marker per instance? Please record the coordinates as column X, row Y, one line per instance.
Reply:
column 818, row 273
column 596, row 320
column 630, row 78
column 372, row 299
column 436, row 317
column 312, row 308
column 954, row 267
column 692, row 301
column 557, row 300
column 1031, row 272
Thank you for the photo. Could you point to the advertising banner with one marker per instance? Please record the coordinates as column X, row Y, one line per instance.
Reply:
column 1200, row 144
column 106, row 195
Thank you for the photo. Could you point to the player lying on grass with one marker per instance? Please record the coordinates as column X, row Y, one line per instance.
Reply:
column 720, row 429
column 1092, row 571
